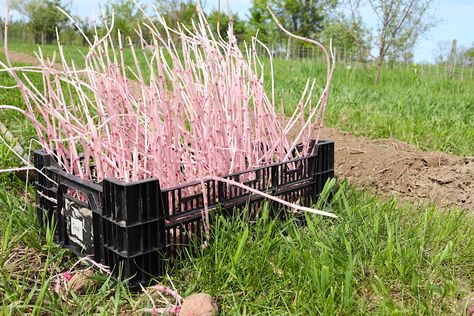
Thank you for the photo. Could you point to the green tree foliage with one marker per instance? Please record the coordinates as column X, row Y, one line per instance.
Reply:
column 127, row 16
column 349, row 38
column 302, row 17
column 259, row 21
column 219, row 23
column 43, row 17
column 87, row 27
column 470, row 52
column 400, row 24
column 176, row 12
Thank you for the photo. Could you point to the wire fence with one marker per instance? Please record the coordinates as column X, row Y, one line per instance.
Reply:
column 20, row 33
column 462, row 69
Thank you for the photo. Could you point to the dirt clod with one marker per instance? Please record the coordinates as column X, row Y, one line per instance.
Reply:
column 80, row 281
column 199, row 304
column 392, row 167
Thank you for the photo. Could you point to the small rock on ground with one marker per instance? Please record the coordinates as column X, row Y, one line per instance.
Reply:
column 470, row 307
column 199, row 304
column 80, row 281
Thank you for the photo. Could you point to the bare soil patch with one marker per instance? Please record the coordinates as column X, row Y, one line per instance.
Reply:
column 392, row 167
column 22, row 57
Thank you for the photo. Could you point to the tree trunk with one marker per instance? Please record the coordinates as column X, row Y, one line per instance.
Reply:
column 379, row 70
column 379, row 64
column 37, row 37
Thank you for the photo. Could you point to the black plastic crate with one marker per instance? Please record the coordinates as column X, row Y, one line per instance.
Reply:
column 138, row 226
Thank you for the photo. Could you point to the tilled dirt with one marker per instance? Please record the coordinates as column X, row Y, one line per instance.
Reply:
column 391, row 167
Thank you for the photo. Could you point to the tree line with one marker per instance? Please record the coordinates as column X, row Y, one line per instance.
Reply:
column 400, row 23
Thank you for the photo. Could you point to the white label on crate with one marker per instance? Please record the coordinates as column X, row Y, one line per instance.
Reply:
column 76, row 228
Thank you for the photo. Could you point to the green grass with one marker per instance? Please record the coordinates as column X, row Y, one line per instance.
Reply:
column 379, row 257
column 429, row 112
column 71, row 52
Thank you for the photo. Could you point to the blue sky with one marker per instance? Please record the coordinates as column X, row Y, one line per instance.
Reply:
column 457, row 21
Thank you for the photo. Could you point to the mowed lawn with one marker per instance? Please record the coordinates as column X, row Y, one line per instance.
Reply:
column 378, row 257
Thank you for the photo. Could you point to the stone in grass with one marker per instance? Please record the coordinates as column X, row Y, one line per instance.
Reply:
column 80, row 281
column 199, row 304
column 470, row 307
column 470, row 310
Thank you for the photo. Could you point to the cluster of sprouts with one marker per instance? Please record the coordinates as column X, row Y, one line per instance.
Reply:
column 180, row 105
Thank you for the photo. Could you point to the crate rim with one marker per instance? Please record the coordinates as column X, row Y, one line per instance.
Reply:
column 99, row 185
